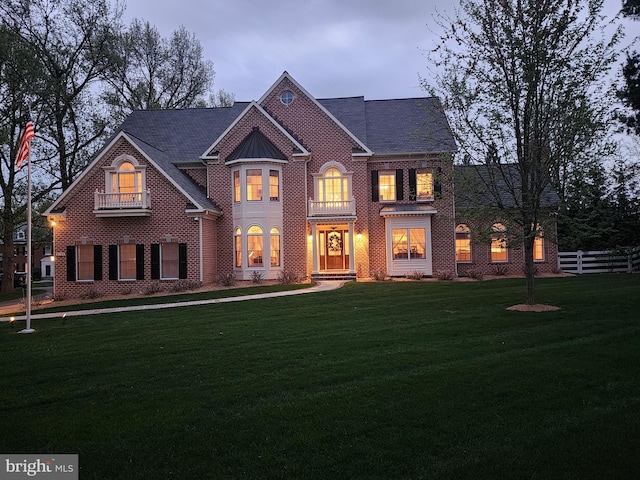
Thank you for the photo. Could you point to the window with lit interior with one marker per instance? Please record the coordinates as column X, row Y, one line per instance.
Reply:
column 498, row 243
column 463, row 243
column 274, row 242
column 255, row 246
column 408, row 243
column 387, row 185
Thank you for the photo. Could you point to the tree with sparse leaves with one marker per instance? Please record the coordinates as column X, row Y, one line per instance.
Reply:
column 521, row 76
column 148, row 72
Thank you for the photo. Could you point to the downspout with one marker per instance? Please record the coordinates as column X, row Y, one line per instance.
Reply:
column 200, row 246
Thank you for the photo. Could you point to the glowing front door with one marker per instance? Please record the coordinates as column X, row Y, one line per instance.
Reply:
column 335, row 254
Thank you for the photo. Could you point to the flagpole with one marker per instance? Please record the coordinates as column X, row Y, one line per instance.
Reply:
column 28, row 329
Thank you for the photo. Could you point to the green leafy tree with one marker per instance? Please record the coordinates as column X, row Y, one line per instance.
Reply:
column 522, row 75
column 630, row 93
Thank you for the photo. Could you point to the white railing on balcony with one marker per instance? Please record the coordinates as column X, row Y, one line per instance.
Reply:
column 337, row 207
column 110, row 201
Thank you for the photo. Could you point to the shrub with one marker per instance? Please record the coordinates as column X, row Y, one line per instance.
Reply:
column 500, row 270
column 227, row 280
column 379, row 275
column 443, row 275
column 475, row 274
column 287, row 277
column 257, row 277
column 91, row 293
column 184, row 285
column 415, row 275
column 152, row 288
column 128, row 290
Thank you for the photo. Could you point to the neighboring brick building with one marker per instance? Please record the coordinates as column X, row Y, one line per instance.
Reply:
column 321, row 188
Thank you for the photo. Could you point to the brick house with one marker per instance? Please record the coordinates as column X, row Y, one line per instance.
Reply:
column 321, row 188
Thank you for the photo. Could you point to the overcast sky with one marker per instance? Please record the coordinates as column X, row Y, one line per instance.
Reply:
column 333, row 48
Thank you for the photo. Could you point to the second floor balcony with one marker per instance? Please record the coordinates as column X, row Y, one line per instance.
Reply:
column 332, row 208
column 134, row 204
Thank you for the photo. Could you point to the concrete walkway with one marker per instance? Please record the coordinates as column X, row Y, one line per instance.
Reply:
column 319, row 287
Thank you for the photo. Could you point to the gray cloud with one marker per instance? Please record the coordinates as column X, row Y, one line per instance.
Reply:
column 332, row 47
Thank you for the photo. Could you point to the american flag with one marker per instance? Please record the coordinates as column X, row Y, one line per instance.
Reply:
column 26, row 135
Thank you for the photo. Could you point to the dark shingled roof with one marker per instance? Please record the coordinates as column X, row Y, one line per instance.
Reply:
column 494, row 186
column 165, row 163
column 256, row 145
column 415, row 125
column 182, row 135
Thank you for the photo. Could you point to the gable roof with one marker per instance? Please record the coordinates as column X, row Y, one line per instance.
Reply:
column 286, row 75
column 298, row 147
column 194, row 194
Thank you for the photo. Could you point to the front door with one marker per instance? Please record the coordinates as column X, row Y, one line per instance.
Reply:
column 335, row 255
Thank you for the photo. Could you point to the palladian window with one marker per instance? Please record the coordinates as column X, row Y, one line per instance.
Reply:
column 127, row 182
column 332, row 187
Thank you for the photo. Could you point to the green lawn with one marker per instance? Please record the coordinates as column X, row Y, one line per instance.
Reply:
column 394, row 380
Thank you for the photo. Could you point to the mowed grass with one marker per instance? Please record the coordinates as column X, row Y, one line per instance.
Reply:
column 397, row 380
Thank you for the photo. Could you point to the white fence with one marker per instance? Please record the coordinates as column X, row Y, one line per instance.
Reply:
column 599, row 261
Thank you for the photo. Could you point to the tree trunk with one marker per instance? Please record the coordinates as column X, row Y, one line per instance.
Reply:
column 529, row 269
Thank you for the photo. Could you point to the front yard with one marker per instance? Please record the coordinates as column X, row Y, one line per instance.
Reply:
column 389, row 380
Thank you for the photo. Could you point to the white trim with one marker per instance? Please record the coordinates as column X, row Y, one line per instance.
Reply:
column 261, row 110
column 402, row 267
column 261, row 161
column 286, row 75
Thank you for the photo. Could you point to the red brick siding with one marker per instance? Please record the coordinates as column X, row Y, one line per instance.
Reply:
column 481, row 254
column 168, row 218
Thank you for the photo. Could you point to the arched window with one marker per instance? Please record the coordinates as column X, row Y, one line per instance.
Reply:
column 333, row 186
column 274, row 240
column 125, row 183
column 255, row 246
column 126, row 179
column 498, row 243
column 463, row 243
column 238, row 247
column 538, row 245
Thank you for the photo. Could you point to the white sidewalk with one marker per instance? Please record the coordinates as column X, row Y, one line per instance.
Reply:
column 320, row 287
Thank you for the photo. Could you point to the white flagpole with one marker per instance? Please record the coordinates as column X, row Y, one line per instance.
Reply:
column 28, row 329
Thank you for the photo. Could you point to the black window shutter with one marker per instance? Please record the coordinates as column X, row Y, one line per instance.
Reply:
column 413, row 184
column 375, row 194
column 155, row 261
column 139, row 262
column 71, row 263
column 437, row 184
column 97, row 262
column 399, row 184
column 182, row 260
column 113, row 262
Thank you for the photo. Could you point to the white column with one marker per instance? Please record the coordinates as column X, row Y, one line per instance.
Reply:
column 352, row 248
column 314, row 248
